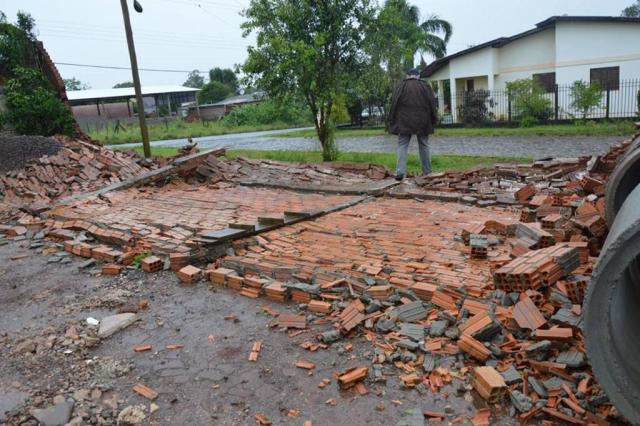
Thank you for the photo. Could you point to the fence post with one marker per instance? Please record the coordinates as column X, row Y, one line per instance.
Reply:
column 509, row 107
column 556, row 106
column 608, row 97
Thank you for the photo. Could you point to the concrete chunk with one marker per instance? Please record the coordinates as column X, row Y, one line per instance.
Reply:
column 110, row 325
column 56, row 415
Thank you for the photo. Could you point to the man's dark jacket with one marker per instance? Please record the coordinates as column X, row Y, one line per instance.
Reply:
column 414, row 109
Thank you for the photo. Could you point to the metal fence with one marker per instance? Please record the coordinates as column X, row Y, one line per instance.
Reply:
column 555, row 104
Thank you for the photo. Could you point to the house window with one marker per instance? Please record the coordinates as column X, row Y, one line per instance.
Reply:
column 546, row 80
column 608, row 78
column 470, row 85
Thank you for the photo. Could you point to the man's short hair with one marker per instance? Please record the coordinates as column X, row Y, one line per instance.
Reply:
column 414, row 72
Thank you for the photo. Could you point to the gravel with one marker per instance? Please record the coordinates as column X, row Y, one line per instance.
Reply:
column 17, row 151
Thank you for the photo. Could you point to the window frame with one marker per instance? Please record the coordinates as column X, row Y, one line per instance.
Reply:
column 610, row 75
column 541, row 78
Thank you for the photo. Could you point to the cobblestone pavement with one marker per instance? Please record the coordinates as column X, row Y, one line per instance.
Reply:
column 530, row 146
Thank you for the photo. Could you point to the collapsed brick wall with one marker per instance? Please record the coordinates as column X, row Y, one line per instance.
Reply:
column 49, row 69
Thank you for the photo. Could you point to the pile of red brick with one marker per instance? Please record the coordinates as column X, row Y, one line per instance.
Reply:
column 489, row 295
column 519, row 183
column 330, row 175
column 77, row 167
column 167, row 219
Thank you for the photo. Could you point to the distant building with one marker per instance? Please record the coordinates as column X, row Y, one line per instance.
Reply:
column 96, row 105
column 220, row 109
column 558, row 51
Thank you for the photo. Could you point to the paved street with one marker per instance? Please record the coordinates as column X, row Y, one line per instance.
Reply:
column 530, row 146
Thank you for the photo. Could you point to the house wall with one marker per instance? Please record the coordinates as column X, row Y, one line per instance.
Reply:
column 527, row 56
column 474, row 64
column 581, row 46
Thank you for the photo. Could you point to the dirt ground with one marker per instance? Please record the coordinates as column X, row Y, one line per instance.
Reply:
column 208, row 381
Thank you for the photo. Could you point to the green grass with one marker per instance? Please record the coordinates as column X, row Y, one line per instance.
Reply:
column 613, row 128
column 176, row 129
column 439, row 162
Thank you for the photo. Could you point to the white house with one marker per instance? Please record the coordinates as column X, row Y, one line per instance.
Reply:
column 558, row 51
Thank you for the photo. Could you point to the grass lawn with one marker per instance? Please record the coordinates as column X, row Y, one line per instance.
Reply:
column 176, row 129
column 613, row 128
column 439, row 162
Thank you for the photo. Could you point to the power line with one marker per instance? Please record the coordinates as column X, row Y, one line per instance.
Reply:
column 113, row 67
column 92, row 29
column 180, row 44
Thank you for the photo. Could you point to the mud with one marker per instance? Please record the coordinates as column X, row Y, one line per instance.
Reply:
column 209, row 381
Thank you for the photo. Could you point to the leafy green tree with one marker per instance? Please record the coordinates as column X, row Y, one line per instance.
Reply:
column 75, row 84
column 310, row 49
column 397, row 35
column 27, row 24
column 632, row 11
column 123, row 85
column 585, row 97
column 194, row 79
column 34, row 107
column 213, row 92
column 225, row 76
column 16, row 45
column 529, row 100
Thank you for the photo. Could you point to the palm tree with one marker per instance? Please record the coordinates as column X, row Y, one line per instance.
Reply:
column 404, row 35
column 433, row 43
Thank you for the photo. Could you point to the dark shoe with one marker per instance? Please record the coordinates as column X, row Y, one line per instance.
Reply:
column 399, row 177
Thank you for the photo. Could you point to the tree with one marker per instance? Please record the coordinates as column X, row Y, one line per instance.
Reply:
column 27, row 24
column 123, row 85
column 75, row 84
column 194, row 79
column 225, row 76
column 585, row 96
column 33, row 105
column 17, row 46
column 434, row 44
column 397, row 36
column 307, row 48
column 213, row 92
column 632, row 11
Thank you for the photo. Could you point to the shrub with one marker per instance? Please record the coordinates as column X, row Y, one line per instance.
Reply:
column 268, row 112
column 33, row 106
column 528, row 101
column 638, row 103
column 528, row 122
column 585, row 97
column 475, row 108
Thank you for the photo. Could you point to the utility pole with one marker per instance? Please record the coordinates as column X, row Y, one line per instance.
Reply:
column 136, row 79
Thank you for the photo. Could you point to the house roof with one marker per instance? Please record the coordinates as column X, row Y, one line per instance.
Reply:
column 240, row 99
column 124, row 92
column 501, row 41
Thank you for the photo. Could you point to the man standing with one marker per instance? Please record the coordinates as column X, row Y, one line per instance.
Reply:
column 413, row 111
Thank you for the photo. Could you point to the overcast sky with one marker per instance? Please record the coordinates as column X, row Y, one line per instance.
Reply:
column 202, row 34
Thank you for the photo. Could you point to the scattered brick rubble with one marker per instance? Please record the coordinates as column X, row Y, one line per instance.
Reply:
column 485, row 296
column 324, row 176
column 77, row 167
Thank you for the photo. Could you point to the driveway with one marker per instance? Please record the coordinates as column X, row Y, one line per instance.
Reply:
column 529, row 146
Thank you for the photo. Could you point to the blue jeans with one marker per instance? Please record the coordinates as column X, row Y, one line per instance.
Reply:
column 423, row 149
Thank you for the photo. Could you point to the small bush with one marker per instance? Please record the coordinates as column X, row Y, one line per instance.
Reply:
column 475, row 109
column 528, row 101
column 585, row 97
column 268, row 112
column 33, row 106
column 528, row 122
